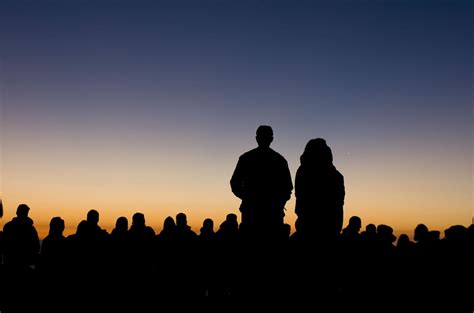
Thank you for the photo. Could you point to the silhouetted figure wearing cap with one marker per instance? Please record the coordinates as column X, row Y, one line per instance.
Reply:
column 351, row 232
column 351, row 238
column 385, row 238
column 20, row 239
column 319, row 190
column 262, row 180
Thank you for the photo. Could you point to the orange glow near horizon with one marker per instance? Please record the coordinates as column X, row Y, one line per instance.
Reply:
column 382, row 190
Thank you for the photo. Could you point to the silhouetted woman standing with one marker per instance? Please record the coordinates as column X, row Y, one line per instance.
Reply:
column 319, row 190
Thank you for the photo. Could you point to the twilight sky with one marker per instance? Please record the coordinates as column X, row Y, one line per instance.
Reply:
column 126, row 106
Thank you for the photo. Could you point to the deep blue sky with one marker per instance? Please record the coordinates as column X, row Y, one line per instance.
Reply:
column 161, row 88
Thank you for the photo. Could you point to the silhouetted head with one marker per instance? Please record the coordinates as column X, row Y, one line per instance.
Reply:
column 22, row 211
column 355, row 223
column 316, row 152
column 434, row 235
column 181, row 220
column 403, row 241
column 264, row 136
column 231, row 221
column 207, row 225
column 371, row 229
column 121, row 223
column 231, row 217
column 138, row 219
column 56, row 226
column 456, row 232
column 169, row 224
column 385, row 233
column 421, row 232
column 81, row 229
column 93, row 217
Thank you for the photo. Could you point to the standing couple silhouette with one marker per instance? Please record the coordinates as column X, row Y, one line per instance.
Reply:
column 262, row 180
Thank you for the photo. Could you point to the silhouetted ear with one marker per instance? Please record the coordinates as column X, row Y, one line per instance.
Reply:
column 1, row 208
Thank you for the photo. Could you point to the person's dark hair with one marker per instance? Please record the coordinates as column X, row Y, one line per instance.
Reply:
column 208, row 224
column 93, row 217
column 138, row 219
column 403, row 240
column 316, row 152
column 181, row 219
column 264, row 135
column 421, row 232
column 385, row 232
column 22, row 210
column 121, row 223
column 56, row 225
column 169, row 223
column 355, row 222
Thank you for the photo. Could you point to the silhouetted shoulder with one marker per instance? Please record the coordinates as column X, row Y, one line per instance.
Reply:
column 278, row 156
column 260, row 150
column 249, row 154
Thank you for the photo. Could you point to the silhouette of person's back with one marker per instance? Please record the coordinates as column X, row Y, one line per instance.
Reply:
column 351, row 232
column 139, row 231
column 53, row 247
column 168, row 233
column 21, row 239
column 119, row 244
column 262, row 180
column 120, row 232
column 207, row 230
column 184, row 232
column 319, row 190
column 421, row 234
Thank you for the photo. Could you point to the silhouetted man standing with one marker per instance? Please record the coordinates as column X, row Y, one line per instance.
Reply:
column 262, row 180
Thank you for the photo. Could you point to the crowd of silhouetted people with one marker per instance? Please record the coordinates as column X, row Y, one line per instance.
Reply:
column 321, row 266
column 133, row 263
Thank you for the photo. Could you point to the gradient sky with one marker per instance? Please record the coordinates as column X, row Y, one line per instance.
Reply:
column 127, row 106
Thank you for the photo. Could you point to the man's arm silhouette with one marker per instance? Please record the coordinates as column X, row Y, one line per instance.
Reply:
column 237, row 182
column 287, row 182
